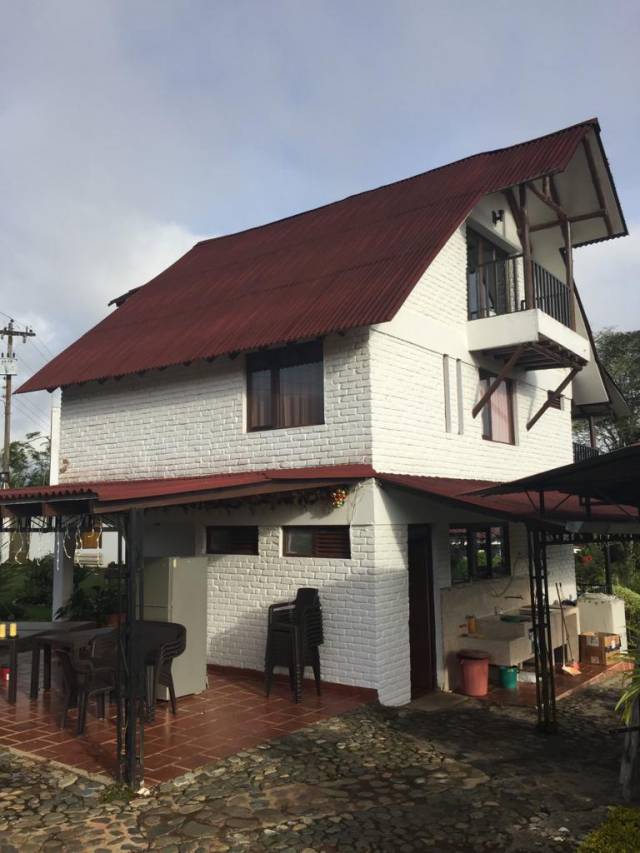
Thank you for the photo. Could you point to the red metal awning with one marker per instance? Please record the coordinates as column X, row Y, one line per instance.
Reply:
column 117, row 496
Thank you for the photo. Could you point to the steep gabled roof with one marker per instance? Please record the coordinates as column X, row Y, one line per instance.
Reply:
column 342, row 266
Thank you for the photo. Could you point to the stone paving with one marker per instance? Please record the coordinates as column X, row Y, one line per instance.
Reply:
column 450, row 776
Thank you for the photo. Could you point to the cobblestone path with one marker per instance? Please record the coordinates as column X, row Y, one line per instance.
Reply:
column 466, row 777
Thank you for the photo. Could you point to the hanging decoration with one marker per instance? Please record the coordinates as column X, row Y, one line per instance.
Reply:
column 337, row 498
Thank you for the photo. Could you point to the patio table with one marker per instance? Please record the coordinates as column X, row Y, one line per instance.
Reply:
column 27, row 640
column 71, row 638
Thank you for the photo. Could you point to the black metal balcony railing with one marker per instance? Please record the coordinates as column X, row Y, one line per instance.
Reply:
column 581, row 452
column 493, row 290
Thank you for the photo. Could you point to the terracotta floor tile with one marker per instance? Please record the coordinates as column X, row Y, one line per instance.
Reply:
column 231, row 715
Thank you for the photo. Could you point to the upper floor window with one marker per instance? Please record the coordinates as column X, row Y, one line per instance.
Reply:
column 285, row 387
column 497, row 414
column 478, row 551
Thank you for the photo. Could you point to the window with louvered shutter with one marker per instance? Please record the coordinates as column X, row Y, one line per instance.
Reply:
column 232, row 540
column 328, row 542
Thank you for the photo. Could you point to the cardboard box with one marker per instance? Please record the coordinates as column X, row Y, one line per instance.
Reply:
column 599, row 648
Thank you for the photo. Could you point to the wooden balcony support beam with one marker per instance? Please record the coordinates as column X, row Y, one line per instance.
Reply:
column 545, row 198
column 568, row 262
column 553, row 397
column 503, row 374
column 529, row 295
column 555, row 223
column 597, row 183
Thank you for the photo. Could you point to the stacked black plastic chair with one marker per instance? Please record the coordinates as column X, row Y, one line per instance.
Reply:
column 294, row 635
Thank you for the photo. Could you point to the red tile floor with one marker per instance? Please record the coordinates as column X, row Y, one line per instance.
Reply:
column 231, row 715
column 566, row 685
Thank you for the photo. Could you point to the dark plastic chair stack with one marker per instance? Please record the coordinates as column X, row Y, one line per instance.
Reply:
column 294, row 635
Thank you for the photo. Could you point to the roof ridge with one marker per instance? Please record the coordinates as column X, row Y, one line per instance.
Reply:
column 592, row 121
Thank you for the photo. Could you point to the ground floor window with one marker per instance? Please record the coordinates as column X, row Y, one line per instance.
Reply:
column 232, row 540
column 331, row 541
column 478, row 551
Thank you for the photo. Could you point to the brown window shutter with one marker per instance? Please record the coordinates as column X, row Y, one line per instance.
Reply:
column 332, row 542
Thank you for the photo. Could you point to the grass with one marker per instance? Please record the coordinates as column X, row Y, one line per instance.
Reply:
column 620, row 833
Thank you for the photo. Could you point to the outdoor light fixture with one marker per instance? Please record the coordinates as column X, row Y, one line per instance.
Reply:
column 497, row 216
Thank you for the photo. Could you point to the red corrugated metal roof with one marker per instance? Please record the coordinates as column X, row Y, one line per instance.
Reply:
column 457, row 492
column 558, row 506
column 347, row 264
column 121, row 490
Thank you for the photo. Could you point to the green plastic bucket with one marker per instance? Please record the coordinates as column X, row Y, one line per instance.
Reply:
column 509, row 677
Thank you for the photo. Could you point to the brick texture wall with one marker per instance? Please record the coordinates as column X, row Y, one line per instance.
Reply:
column 408, row 406
column 189, row 421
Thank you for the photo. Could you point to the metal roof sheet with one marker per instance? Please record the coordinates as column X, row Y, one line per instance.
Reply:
column 345, row 265
column 459, row 493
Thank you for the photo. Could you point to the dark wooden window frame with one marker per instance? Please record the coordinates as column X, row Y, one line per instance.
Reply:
column 243, row 539
column 320, row 548
column 487, row 376
column 274, row 360
column 472, row 551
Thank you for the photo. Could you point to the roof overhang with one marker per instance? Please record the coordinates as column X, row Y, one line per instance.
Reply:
column 507, row 501
column 602, row 483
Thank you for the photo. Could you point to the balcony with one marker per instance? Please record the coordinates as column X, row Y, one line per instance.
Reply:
column 539, row 337
column 493, row 290
column 582, row 452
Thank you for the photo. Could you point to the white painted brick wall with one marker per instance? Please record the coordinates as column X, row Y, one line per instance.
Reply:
column 242, row 588
column 190, row 421
column 409, row 433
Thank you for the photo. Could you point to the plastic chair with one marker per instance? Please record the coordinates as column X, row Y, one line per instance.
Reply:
column 161, row 642
column 83, row 679
column 294, row 633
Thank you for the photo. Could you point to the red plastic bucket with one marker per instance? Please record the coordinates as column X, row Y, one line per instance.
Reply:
column 474, row 672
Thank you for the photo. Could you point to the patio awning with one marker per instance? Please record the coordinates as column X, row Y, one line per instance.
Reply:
column 476, row 495
column 607, row 481
column 110, row 496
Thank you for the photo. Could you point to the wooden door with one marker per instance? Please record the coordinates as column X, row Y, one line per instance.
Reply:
column 421, row 610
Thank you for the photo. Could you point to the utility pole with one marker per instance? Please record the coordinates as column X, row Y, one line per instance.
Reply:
column 8, row 370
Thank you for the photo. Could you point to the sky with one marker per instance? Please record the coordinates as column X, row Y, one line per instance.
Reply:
column 130, row 130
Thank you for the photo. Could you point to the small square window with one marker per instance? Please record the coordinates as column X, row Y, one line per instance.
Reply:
column 477, row 552
column 330, row 542
column 232, row 540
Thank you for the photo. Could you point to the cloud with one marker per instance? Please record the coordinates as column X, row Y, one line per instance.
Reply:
column 608, row 276
column 129, row 130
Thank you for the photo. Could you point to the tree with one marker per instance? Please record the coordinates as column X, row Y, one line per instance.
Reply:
column 29, row 461
column 620, row 354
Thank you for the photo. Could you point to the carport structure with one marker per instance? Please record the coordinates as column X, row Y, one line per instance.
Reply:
column 602, row 483
column 72, row 508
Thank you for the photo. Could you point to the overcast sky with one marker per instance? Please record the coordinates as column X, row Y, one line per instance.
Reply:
column 129, row 130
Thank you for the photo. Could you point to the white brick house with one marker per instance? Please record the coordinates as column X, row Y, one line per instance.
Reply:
column 405, row 352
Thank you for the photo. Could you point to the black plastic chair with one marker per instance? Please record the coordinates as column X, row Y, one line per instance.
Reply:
column 294, row 634
column 161, row 643
column 82, row 679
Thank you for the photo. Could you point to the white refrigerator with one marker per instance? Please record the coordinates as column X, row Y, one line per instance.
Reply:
column 175, row 590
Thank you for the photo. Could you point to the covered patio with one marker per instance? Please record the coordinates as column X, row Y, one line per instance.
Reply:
column 232, row 713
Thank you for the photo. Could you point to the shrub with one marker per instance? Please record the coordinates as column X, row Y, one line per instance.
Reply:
column 632, row 612
column 618, row 834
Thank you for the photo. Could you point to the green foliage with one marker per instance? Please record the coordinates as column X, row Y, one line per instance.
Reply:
column 618, row 834
column 29, row 461
column 26, row 589
column 117, row 792
column 620, row 354
column 631, row 600
column 91, row 597
column 631, row 692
